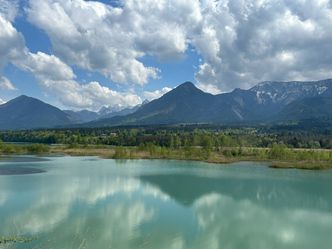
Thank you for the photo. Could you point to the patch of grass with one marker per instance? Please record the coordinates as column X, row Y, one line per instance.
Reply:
column 9, row 149
column 308, row 165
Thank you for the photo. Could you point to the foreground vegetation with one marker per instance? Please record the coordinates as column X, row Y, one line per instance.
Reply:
column 279, row 155
column 306, row 150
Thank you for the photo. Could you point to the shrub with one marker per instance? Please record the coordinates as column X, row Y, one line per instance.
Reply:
column 37, row 148
column 120, row 153
column 278, row 151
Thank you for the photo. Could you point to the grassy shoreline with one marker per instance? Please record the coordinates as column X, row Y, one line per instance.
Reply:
column 276, row 156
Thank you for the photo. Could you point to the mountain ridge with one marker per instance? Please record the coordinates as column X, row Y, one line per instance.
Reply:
column 261, row 103
column 266, row 102
column 26, row 112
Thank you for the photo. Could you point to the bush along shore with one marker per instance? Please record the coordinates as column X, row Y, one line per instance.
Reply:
column 278, row 155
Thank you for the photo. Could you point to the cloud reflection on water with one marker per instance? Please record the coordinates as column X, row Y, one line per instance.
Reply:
column 116, row 207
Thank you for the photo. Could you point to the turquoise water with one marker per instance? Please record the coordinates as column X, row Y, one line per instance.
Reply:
column 87, row 202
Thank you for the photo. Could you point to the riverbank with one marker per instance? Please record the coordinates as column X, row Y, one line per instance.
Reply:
column 277, row 156
column 299, row 159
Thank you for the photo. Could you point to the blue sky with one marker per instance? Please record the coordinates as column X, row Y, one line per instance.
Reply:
column 87, row 54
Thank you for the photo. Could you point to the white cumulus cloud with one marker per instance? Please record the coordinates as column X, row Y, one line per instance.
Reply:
column 6, row 84
column 240, row 42
column 209, row 88
column 8, row 9
column 93, row 36
column 11, row 42
column 151, row 95
column 57, row 78
column 251, row 41
column 46, row 67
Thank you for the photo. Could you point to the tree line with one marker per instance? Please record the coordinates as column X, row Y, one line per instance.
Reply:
column 174, row 137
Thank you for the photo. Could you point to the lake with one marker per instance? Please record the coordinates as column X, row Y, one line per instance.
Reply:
column 87, row 202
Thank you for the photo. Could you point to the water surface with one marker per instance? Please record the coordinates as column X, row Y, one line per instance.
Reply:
column 87, row 202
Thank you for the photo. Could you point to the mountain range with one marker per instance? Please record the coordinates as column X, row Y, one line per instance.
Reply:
column 264, row 103
column 267, row 102
column 84, row 116
column 26, row 112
